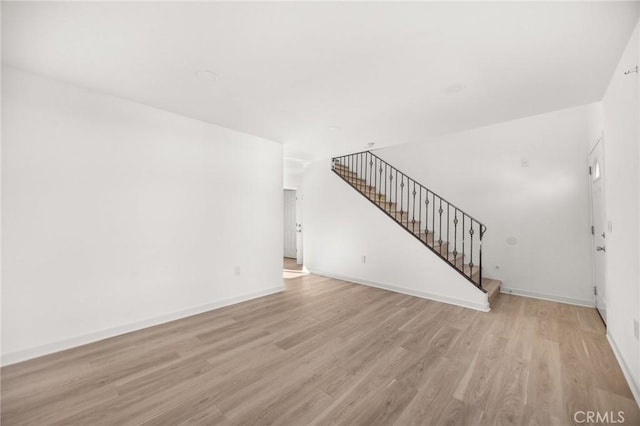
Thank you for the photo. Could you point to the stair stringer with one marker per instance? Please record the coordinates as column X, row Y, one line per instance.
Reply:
column 341, row 226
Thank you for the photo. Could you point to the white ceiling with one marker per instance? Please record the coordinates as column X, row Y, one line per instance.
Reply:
column 381, row 72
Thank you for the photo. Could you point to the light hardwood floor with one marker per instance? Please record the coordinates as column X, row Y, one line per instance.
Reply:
column 329, row 352
column 291, row 264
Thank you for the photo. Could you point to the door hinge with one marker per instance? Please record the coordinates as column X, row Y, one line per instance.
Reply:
column 595, row 290
column 593, row 230
column 589, row 170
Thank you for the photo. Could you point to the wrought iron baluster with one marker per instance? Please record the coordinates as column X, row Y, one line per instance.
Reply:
column 352, row 165
column 359, row 166
column 370, row 174
column 363, row 160
column 463, row 235
column 395, row 190
column 364, row 173
column 384, row 173
column 413, row 219
column 433, row 220
column 420, row 209
column 408, row 200
column 374, row 170
column 455, row 236
column 448, row 240
column 426, row 217
column 401, row 197
column 367, row 177
column 471, row 249
column 382, row 200
column 365, row 163
column 440, row 211
column 386, row 188
column 365, row 170
column 355, row 166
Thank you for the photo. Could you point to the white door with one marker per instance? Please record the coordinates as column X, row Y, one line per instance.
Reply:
column 289, row 223
column 299, row 244
column 598, row 227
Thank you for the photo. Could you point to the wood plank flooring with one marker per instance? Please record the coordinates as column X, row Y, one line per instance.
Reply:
column 329, row 352
column 291, row 264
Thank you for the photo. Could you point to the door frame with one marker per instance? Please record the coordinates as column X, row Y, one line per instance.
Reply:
column 599, row 143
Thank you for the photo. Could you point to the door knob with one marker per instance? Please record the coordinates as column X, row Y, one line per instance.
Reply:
column 600, row 248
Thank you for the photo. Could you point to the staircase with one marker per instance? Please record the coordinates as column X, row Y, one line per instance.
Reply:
column 446, row 230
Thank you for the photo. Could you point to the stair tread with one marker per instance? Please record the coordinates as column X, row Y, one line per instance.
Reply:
column 492, row 286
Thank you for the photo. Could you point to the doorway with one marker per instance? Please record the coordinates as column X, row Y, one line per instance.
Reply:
column 290, row 246
column 598, row 227
column 292, row 262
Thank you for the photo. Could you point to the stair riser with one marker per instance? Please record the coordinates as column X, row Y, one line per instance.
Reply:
column 379, row 198
column 360, row 184
column 348, row 175
column 387, row 206
column 411, row 226
column 340, row 167
column 429, row 240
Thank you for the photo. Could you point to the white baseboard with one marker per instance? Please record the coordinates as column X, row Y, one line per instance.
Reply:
column 484, row 307
column 547, row 296
column 23, row 355
column 635, row 389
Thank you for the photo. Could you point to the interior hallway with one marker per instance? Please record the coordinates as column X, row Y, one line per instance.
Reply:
column 291, row 264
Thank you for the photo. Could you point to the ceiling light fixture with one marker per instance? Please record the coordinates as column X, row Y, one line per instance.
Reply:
column 206, row 75
column 334, row 128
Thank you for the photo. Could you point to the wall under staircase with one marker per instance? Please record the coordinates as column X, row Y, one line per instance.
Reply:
column 347, row 237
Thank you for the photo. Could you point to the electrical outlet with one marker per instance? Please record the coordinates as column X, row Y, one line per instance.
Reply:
column 364, row 259
column 236, row 271
column 635, row 328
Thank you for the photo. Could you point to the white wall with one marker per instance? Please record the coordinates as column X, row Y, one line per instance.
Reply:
column 621, row 107
column 341, row 226
column 117, row 215
column 543, row 205
column 292, row 180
